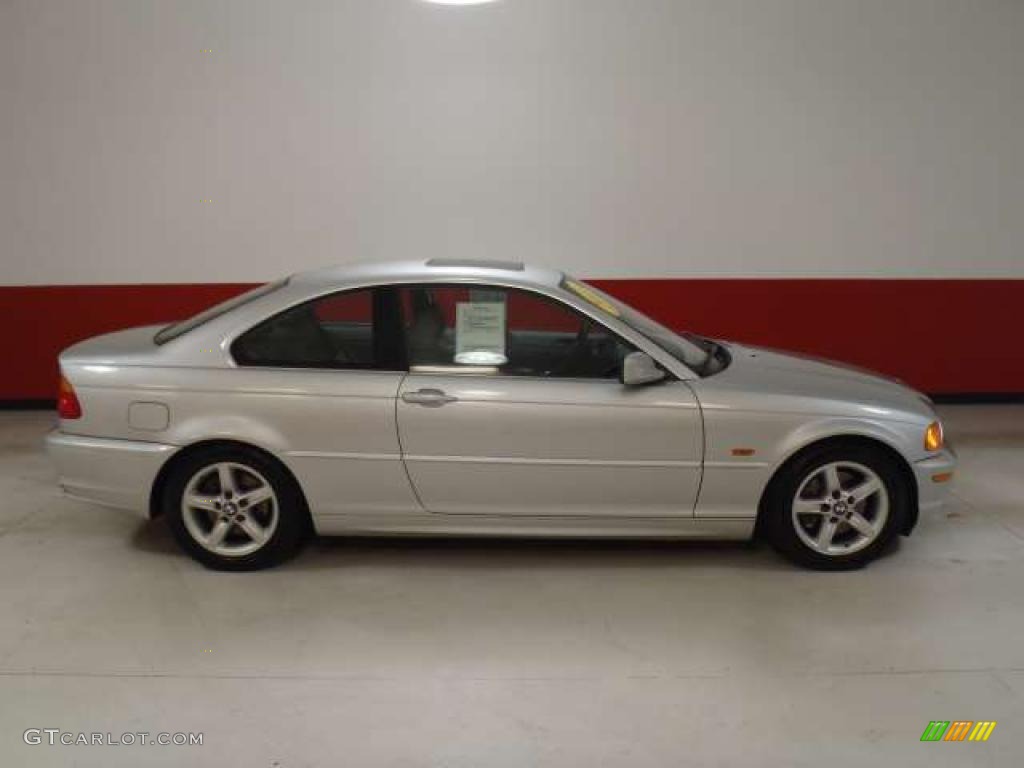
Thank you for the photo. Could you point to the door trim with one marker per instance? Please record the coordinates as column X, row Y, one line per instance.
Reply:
column 343, row 455
column 553, row 462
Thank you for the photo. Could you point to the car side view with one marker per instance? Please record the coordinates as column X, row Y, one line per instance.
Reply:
column 455, row 397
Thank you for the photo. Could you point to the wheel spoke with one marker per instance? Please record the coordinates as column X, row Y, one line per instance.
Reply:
column 861, row 524
column 257, row 496
column 809, row 506
column 226, row 477
column 253, row 530
column 825, row 533
column 217, row 533
column 198, row 501
column 832, row 478
column 868, row 488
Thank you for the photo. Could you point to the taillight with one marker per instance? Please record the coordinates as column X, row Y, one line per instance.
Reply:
column 68, row 406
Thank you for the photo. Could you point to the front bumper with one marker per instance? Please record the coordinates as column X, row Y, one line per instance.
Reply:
column 117, row 473
column 934, row 479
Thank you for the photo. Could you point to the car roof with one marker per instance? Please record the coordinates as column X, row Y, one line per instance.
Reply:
column 429, row 270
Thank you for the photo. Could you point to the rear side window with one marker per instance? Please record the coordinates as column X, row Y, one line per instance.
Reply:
column 350, row 330
column 178, row 329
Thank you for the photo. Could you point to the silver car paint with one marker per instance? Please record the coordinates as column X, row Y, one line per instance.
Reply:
column 512, row 456
column 525, row 446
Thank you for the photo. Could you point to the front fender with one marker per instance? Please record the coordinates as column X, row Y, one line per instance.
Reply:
column 896, row 435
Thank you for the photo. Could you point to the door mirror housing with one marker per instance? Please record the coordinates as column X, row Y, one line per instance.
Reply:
column 639, row 368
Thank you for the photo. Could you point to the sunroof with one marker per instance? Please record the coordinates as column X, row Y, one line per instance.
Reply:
column 510, row 266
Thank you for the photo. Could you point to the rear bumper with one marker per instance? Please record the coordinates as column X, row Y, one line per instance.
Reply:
column 934, row 479
column 116, row 473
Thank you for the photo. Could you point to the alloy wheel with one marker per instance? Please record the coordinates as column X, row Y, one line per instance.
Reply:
column 840, row 508
column 230, row 509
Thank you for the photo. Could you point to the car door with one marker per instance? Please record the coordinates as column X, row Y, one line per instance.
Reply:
column 513, row 406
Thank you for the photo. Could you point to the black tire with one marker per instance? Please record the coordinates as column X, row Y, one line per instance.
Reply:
column 292, row 526
column 781, row 528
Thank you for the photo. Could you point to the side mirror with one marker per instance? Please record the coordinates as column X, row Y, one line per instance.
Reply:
column 639, row 368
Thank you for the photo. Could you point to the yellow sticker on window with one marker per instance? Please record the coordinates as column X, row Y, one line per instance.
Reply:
column 592, row 297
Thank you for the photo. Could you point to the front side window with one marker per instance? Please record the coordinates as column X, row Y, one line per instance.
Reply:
column 344, row 330
column 704, row 356
column 506, row 331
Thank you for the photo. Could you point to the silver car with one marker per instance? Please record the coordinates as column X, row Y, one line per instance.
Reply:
column 454, row 397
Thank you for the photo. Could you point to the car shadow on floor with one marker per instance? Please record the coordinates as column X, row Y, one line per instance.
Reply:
column 485, row 554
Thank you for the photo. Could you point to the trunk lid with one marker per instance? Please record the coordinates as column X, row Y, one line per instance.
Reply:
column 117, row 347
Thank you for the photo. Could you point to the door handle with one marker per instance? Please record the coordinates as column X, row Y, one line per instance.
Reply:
column 429, row 397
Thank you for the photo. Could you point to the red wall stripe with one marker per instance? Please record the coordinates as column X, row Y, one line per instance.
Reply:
column 40, row 321
column 941, row 336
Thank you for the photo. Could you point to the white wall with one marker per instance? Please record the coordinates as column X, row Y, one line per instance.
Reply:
column 638, row 137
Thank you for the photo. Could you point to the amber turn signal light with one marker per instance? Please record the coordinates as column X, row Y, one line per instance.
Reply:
column 933, row 438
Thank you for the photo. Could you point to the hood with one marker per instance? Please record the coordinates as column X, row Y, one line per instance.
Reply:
column 120, row 346
column 803, row 376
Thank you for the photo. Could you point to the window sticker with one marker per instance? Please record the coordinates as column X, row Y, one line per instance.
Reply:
column 591, row 297
column 480, row 333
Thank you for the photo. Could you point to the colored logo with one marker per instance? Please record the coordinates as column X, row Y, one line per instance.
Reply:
column 958, row 730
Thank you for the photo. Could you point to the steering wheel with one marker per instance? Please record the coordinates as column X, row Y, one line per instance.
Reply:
column 578, row 350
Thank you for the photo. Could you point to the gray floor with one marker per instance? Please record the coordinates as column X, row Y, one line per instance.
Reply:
column 457, row 653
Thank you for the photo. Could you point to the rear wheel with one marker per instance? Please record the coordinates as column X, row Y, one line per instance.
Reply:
column 234, row 508
column 836, row 507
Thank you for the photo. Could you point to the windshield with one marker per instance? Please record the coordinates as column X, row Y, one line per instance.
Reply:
column 177, row 329
column 692, row 350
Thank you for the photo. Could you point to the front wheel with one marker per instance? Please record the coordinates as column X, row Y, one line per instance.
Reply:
column 233, row 508
column 836, row 507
